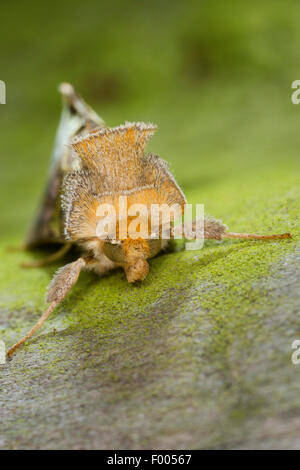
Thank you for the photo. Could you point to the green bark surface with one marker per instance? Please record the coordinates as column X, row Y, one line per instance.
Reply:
column 199, row 354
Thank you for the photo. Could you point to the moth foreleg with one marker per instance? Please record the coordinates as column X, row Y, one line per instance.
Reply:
column 58, row 288
column 208, row 229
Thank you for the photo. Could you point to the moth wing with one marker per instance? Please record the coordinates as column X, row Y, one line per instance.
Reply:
column 77, row 119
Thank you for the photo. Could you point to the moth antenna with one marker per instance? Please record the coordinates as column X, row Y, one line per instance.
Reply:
column 42, row 320
column 62, row 282
column 256, row 236
column 215, row 230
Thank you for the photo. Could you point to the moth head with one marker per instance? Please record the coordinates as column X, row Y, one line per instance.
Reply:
column 132, row 255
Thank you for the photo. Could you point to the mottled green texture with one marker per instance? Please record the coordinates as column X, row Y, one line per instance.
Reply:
column 198, row 355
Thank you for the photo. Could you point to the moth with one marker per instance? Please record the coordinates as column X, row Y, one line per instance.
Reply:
column 92, row 165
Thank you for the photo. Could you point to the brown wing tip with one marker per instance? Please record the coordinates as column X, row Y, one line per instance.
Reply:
column 66, row 89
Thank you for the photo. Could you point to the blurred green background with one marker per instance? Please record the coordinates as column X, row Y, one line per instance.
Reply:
column 215, row 76
column 198, row 355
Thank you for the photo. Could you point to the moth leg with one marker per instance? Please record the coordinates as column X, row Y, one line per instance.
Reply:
column 63, row 281
column 16, row 248
column 49, row 259
column 211, row 229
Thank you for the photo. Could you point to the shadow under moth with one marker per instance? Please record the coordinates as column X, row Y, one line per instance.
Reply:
column 91, row 165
